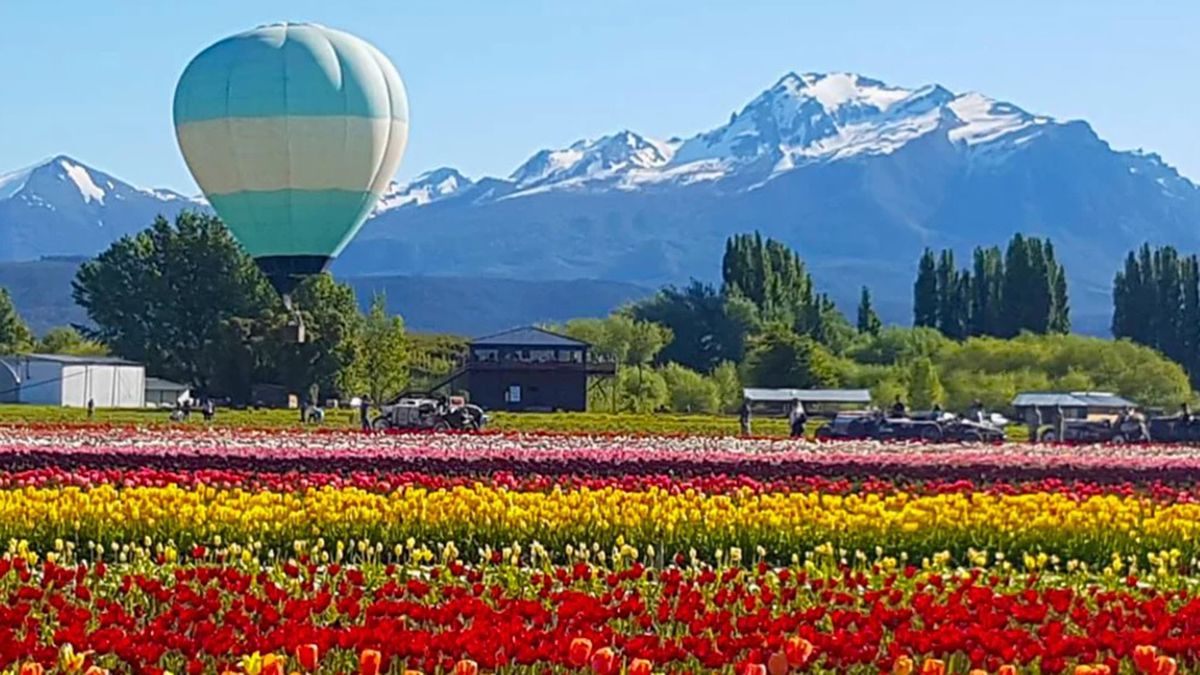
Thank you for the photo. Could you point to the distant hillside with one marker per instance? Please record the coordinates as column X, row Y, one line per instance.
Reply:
column 461, row 305
column 42, row 291
column 476, row 306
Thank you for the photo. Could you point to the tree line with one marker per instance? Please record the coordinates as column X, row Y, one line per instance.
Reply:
column 185, row 300
column 1000, row 295
column 1156, row 302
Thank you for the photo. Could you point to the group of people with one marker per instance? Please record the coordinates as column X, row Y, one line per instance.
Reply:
column 183, row 409
column 797, row 418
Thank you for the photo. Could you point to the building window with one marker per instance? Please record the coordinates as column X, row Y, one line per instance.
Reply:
column 513, row 395
column 487, row 355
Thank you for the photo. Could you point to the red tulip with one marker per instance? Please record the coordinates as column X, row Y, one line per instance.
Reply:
column 753, row 669
column 604, row 661
column 1144, row 657
column 308, row 655
column 778, row 664
column 369, row 661
column 579, row 652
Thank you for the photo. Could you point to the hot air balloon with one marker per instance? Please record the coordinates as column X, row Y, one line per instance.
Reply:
column 292, row 132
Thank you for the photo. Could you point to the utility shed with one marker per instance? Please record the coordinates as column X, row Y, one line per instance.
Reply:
column 1075, row 404
column 779, row 401
column 59, row 380
column 530, row 369
column 165, row 393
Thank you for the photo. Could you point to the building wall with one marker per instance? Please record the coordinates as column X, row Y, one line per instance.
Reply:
column 108, row 385
column 540, row 391
column 41, row 382
column 10, row 383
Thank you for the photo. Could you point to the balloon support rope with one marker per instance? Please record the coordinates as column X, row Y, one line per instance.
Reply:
column 297, row 317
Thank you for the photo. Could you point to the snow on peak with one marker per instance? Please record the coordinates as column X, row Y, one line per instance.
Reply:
column 61, row 169
column 425, row 188
column 835, row 90
column 82, row 178
column 984, row 119
column 598, row 158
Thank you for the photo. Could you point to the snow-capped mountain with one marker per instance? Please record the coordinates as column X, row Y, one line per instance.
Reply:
column 858, row 174
column 62, row 207
column 424, row 189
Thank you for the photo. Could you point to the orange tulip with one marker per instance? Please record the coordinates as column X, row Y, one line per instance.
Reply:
column 754, row 669
column 272, row 664
column 369, row 661
column 977, row 671
column 1084, row 670
column 413, row 672
column 798, row 651
column 95, row 670
column 1007, row 669
column 308, row 655
column 1164, row 665
column 933, row 667
column 778, row 664
column 32, row 668
column 466, row 667
column 579, row 652
column 604, row 661
column 902, row 666
column 640, row 667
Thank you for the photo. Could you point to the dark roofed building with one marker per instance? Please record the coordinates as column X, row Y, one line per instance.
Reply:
column 531, row 369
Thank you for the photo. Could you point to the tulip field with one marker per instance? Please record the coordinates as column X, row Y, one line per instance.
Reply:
column 271, row 552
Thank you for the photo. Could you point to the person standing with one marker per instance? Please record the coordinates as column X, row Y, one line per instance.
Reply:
column 91, row 408
column 744, row 417
column 1034, row 419
column 209, row 410
column 796, row 419
column 364, row 413
column 1060, row 422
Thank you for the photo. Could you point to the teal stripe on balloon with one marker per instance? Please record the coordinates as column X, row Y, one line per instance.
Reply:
column 294, row 222
column 290, row 69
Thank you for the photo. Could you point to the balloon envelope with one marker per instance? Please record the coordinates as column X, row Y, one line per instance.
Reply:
column 292, row 131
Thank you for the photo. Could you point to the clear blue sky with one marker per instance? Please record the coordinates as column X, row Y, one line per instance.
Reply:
column 490, row 82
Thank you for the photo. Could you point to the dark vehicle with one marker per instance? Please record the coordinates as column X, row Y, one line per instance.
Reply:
column 931, row 427
column 1175, row 429
column 419, row 410
column 1095, row 431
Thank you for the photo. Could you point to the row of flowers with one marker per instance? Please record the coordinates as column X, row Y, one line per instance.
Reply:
column 384, row 482
column 267, row 619
column 1087, row 528
column 556, row 455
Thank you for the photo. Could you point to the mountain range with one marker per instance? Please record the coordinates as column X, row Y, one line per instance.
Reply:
column 856, row 174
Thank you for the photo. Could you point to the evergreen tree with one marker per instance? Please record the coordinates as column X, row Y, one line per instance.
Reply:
column 925, row 292
column 1060, row 309
column 15, row 336
column 951, row 306
column 868, row 320
column 986, row 281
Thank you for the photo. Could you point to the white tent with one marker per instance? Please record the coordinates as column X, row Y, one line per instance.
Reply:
column 54, row 379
